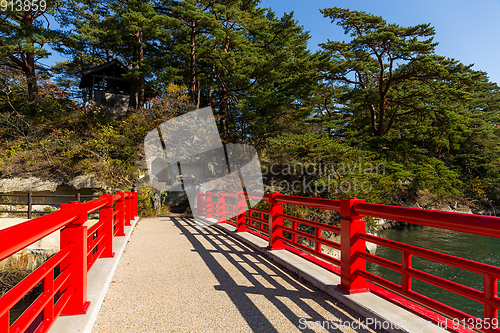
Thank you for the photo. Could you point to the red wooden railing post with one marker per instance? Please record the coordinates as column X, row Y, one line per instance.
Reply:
column 220, row 207
column 350, row 245
column 130, row 207
column 136, row 204
column 199, row 204
column 406, row 279
column 106, row 215
column 5, row 322
column 120, row 216
column 128, row 211
column 132, row 210
column 275, row 222
column 241, row 210
column 208, row 205
column 75, row 234
column 490, row 292
column 48, row 287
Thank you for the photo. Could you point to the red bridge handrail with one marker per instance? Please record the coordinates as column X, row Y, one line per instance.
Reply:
column 94, row 205
column 474, row 224
column 18, row 237
column 309, row 202
column 354, row 277
column 79, row 249
column 258, row 196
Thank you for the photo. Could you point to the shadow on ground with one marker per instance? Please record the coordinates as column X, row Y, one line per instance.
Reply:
column 259, row 288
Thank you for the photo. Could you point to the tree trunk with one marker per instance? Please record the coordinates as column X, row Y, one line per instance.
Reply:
column 192, row 81
column 224, row 105
column 199, row 96
column 137, row 96
column 381, row 120
column 30, row 73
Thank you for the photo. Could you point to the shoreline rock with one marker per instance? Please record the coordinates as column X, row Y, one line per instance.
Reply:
column 35, row 184
column 32, row 184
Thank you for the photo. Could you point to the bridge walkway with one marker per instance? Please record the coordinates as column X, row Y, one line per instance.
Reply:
column 177, row 277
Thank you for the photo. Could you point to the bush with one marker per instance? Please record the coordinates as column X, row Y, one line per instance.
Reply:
column 146, row 203
column 65, row 139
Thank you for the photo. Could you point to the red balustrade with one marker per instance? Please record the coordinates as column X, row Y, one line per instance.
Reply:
column 66, row 292
column 353, row 274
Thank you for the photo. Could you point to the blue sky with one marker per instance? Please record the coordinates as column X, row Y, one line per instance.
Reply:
column 467, row 30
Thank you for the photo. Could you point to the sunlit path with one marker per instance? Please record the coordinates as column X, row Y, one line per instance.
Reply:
column 175, row 277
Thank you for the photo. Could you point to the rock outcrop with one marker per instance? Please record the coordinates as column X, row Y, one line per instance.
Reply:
column 32, row 184
column 86, row 181
column 431, row 201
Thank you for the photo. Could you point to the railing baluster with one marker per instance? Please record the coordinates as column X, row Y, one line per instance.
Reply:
column 106, row 215
column 76, row 233
column 199, row 204
column 275, row 222
column 318, row 236
column 220, row 207
column 131, row 214
column 406, row 279
column 351, row 245
column 241, row 209
column 120, row 207
column 127, row 211
column 490, row 291
column 136, row 204
column 48, row 288
column 294, row 228
column 208, row 205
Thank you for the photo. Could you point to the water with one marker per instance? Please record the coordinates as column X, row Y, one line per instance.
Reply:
column 474, row 247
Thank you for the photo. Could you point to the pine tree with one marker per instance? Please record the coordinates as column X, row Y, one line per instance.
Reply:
column 24, row 30
column 250, row 66
column 379, row 58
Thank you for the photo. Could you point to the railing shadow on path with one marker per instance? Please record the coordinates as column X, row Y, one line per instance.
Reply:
column 303, row 305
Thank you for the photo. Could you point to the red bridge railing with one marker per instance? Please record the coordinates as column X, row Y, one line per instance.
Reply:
column 353, row 274
column 66, row 292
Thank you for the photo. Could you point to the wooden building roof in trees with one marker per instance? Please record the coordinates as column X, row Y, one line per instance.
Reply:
column 108, row 76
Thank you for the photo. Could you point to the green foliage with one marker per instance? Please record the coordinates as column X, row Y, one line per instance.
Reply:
column 370, row 221
column 165, row 210
column 80, row 140
column 24, row 33
column 387, row 68
column 47, row 209
column 380, row 98
column 317, row 165
column 145, row 202
column 433, row 121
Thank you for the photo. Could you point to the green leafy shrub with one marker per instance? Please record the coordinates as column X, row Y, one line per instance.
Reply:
column 145, row 202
